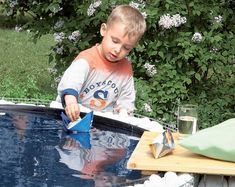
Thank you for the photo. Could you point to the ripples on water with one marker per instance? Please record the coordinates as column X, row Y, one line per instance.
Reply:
column 34, row 151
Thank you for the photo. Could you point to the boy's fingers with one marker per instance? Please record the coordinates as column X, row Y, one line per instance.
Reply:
column 73, row 111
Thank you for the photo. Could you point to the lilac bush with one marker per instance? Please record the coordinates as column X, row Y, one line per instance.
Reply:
column 187, row 53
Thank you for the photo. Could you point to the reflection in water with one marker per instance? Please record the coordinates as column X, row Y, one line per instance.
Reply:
column 20, row 122
column 107, row 149
column 36, row 152
column 24, row 150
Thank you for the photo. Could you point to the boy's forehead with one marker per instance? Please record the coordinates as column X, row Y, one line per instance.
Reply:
column 120, row 30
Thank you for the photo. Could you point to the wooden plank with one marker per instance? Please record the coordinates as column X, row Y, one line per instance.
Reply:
column 180, row 160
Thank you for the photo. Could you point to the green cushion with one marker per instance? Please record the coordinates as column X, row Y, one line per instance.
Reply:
column 215, row 142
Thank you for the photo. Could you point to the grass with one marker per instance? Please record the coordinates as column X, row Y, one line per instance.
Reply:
column 24, row 65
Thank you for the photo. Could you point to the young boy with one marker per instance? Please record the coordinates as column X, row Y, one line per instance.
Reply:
column 101, row 77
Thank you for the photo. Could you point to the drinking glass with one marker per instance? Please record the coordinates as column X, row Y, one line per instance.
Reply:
column 187, row 120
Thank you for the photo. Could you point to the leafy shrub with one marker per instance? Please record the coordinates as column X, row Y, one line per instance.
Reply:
column 186, row 54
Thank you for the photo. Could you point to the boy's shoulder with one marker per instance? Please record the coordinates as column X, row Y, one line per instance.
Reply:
column 87, row 52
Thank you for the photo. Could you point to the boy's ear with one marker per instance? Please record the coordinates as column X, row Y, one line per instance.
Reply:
column 103, row 29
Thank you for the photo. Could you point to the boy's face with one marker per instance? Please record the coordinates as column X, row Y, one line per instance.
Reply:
column 116, row 44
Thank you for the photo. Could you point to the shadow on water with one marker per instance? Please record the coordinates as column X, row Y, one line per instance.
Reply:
column 35, row 151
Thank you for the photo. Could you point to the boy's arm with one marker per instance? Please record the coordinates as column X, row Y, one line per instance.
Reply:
column 70, row 86
column 126, row 100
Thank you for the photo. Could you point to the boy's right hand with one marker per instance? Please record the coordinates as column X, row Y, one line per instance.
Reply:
column 72, row 108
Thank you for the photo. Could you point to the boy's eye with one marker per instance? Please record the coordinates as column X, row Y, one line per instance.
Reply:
column 115, row 41
column 127, row 48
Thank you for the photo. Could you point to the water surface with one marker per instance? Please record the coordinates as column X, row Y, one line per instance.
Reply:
column 35, row 151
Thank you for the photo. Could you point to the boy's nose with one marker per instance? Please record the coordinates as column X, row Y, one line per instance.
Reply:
column 117, row 49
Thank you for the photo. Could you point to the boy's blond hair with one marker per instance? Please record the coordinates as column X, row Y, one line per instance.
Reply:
column 131, row 18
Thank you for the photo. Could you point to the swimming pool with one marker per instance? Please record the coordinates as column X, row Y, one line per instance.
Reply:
column 35, row 151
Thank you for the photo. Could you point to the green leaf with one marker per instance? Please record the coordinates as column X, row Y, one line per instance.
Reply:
column 160, row 53
column 225, row 53
column 191, row 4
column 198, row 76
column 54, row 7
column 217, row 38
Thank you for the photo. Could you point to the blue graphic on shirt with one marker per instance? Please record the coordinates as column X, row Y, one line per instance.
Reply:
column 100, row 100
column 99, row 93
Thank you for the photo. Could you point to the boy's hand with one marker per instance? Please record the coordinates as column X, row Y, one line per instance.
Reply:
column 72, row 108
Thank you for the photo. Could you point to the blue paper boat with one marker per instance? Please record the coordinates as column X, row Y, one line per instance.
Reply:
column 81, row 125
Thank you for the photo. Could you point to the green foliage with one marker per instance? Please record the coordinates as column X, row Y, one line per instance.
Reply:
column 185, row 56
column 28, row 89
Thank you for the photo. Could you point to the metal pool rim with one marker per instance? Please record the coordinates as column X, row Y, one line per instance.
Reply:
column 98, row 121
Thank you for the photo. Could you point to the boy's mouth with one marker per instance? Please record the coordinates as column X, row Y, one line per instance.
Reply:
column 113, row 56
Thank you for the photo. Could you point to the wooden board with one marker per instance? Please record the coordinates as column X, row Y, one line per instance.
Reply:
column 180, row 160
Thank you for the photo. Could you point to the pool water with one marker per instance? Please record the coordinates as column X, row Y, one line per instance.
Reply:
column 35, row 151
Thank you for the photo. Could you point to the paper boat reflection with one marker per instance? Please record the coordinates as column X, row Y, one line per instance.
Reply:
column 83, row 139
